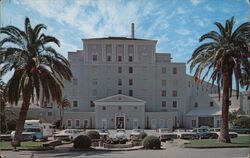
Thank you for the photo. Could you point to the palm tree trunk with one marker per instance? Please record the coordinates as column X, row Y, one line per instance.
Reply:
column 61, row 118
column 224, row 134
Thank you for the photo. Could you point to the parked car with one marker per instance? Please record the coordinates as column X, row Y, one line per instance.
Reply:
column 217, row 131
column 240, row 130
column 121, row 135
column 135, row 133
column 68, row 134
column 202, row 133
column 166, row 134
column 26, row 136
column 186, row 134
column 104, row 133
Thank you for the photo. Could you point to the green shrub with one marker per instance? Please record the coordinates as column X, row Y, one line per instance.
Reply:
column 151, row 142
column 93, row 134
column 82, row 142
column 142, row 135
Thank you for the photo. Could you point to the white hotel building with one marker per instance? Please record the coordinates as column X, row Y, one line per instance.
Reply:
column 123, row 82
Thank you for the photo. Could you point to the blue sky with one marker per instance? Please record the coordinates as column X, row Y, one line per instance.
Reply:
column 176, row 24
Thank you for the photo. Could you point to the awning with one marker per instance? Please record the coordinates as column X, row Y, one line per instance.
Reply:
column 207, row 112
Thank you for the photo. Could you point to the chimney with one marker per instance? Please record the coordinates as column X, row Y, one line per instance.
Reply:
column 132, row 30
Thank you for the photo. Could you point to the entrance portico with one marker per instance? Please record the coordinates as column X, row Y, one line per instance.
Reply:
column 120, row 112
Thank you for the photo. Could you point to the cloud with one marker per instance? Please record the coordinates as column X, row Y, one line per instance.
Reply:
column 209, row 8
column 183, row 31
column 195, row 2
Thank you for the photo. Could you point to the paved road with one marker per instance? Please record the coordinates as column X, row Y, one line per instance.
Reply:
column 169, row 152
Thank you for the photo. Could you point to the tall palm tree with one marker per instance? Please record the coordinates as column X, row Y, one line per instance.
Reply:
column 38, row 68
column 64, row 103
column 226, row 53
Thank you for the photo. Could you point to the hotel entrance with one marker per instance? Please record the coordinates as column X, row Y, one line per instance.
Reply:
column 120, row 122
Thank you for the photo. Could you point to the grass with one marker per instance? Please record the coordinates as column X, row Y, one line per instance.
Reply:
column 241, row 141
column 28, row 145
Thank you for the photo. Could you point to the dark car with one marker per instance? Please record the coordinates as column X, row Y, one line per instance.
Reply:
column 240, row 130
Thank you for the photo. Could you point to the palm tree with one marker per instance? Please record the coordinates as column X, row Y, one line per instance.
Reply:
column 38, row 68
column 64, row 103
column 3, row 122
column 227, row 54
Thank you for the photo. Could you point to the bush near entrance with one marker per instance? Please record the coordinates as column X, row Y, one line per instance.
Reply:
column 151, row 142
column 142, row 135
column 82, row 142
column 93, row 134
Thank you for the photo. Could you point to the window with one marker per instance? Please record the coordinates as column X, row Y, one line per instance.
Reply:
column 174, row 104
column 94, row 57
column 69, row 123
column 104, row 108
column 108, row 58
column 163, row 104
column 135, row 107
column 248, row 97
column 92, row 104
column 163, row 93
column 119, row 91
column 130, row 70
column 130, row 82
column 130, row 93
column 74, row 81
column 130, row 58
column 230, row 102
column 119, row 58
column 211, row 104
column 174, row 93
column 163, row 82
column 193, row 123
column 49, row 113
column 77, row 123
column 119, row 108
column 174, row 70
column 119, row 69
column 95, row 81
column 218, row 123
column 163, row 70
column 195, row 104
column 119, row 82
column 75, row 104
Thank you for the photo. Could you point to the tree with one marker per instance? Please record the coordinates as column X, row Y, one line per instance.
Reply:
column 227, row 55
column 38, row 68
column 3, row 122
column 64, row 103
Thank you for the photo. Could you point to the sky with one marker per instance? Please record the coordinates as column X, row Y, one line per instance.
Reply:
column 175, row 24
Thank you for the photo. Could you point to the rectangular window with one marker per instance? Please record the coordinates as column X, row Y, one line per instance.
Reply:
column 130, row 70
column 92, row 104
column 163, row 93
column 130, row 93
column 119, row 69
column 211, row 104
column 104, row 108
column 130, row 58
column 163, row 83
column 75, row 104
column 119, row 91
column 230, row 102
column 108, row 58
column 119, row 58
column 193, row 123
column 163, row 104
column 174, row 104
column 174, row 93
column 195, row 104
column 163, row 70
column 69, row 123
column 94, row 57
column 94, row 81
column 218, row 123
column 248, row 97
column 77, row 123
column 130, row 82
column 49, row 113
column 119, row 108
column 119, row 82
column 174, row 70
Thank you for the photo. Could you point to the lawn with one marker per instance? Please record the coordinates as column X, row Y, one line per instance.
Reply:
column 5, row 145
column 241, row 141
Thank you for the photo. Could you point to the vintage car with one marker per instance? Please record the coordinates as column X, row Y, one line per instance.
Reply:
column 68, row 134
column 240, row 130
column 186, row 134
column 165, row 134
column 217, row 131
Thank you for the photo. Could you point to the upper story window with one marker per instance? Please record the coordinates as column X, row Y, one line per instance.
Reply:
column 130, row 70
column 75, row 104
column 69, row 123
column 74, row 81
column 163, row 70
column 119, row 69
column 103, row 107
column 108, row 58
column 130, row 82
column 119, row 108
column 77, row 123
column 174, row 70
column 130, row 93
column 95, row 81
column 230, row 102
column 119, row 82
column 163, row 82
column 119, row 58
column 195, row 104
column 130, row 58
column 163, row 104
column 92, row 104
column 174, row 104
column 163, row 93
column 49, row 113
column 174, row 93
column 211, row 104
column 119, row 91
column 94, row 57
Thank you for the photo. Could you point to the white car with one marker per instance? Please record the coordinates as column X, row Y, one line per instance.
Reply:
column 121, row 135
column 185, row 134
column 135, row 133
column 166, row 134
column 217, row 131
column 104, row 133
column 68, row 134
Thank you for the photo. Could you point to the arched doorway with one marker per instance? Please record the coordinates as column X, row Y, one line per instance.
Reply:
column 120, row 120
